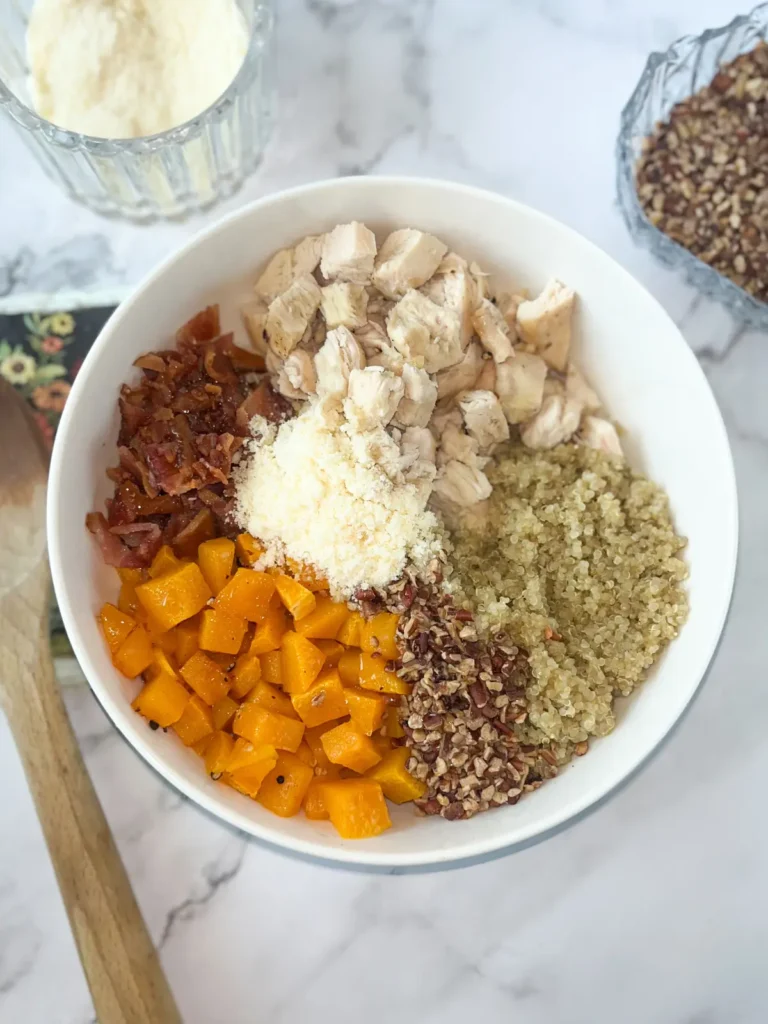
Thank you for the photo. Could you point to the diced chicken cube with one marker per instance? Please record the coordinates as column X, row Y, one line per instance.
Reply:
column 419, row 442
column 338, row 357
column 508, row 305
column 291, row 313
column 406, row 260
column 388, row 357
column 492, row 330
column 348, row 253
column 462, row 375
column 373, row 396
column 277, row 277
column 299, row 368
column 545, row 322
column 520, row 385
column 418, row 457
column 484, row 418
column 457, row 445
column 428, row 335
column 556, row 422
column 599, row 433
column 445, row 415
column 344, row 304
column 254, row 315
column 577, row 388
column 453, row 286
column 372, row 337
column 461, row 484
column 419, row 397
column 306, row 255
column 487, row 379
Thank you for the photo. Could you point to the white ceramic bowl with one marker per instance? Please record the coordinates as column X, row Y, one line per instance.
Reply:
column 633, row 354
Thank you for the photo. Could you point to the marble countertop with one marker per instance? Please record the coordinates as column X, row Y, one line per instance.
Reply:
column 653, row 910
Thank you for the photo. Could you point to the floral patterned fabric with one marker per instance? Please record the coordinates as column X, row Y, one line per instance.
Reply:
column 40, row 356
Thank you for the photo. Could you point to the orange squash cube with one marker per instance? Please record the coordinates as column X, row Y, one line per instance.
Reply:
column 398, row 784
column 187, row 541
column 374, row 675
column 204, row 676
column 366, row 709
column 195, row 723
column 377, row 635
column 392, row 726
column 223, row 712
column 325, row 621
column 356, row 807
column 186, row 635
column 323, row 701
column 161, row 665
column 218, row 751
column 314, row 804
column 346, row 745
column 272, row 667
column 249, row 779
column 298, row 600
column 301, row 663
column 216, row 559
column 268, row 696
column 304, row 752
column 314, row 740
column 115, row 625
column 162, row 700
column 261, row 726
column 247, row 595
column 134, row 654
column 221, row 632
column 284, row 789
column 332, row 650
column 127, row 601
column 174, row 597
column 269, row 633
column 383, row 744
column 134, row 576
column 245, row 675
column 248, row 549
column 349, row 668
column 307, row 575
column 201, row 745
column 245, row 753
column 349, row 633
column 165, row 561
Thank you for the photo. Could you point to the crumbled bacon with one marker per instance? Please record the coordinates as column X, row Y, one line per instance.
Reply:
column 180, row 427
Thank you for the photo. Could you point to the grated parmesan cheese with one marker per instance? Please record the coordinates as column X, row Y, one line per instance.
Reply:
column 310, row 490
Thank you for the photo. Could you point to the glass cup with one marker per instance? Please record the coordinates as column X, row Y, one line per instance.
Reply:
column 172, row 174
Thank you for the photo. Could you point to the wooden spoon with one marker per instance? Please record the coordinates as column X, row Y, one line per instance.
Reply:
column 124, row 974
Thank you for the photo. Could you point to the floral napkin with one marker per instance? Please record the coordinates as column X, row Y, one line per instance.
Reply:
column 40, row 356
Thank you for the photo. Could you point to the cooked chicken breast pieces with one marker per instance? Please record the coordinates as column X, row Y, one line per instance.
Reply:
column 407, row 259
column 545, row 322
column 348, row 253
column 291, row 313
column 427, row 335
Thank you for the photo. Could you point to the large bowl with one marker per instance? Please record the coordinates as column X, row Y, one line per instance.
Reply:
column 633, row 354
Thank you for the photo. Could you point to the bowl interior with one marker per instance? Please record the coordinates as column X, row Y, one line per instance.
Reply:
column 633, row 354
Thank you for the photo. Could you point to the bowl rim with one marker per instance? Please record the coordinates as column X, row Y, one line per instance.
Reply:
column 354, row 854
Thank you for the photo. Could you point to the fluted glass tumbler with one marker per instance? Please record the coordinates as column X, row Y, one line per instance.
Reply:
column 172, row 174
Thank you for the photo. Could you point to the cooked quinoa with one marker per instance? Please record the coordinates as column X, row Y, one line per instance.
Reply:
column 578, row 561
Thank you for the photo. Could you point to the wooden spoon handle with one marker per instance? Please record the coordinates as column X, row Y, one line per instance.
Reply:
column 124, row 974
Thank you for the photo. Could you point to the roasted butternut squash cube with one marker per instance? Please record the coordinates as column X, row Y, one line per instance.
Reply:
column 261, row 726
column 249, row 779
column 332, row 651
column 134, row 654
column 325, row 621
column 301, row 662
column 165, row 561
column 269, row 633
column 160, row 665
column 201, row 745
column 392, row 726
column 247, row 595
column 346, row 745
column 308, row 575
column 356, row 807
column 218, row 751
column 195, row 723
column 351, row 628
column 205, row 677
column 115, row 625
column 134, row 576
column 284, row 789
column 186, row 635
column 374, row 675
column 314, row 740
column 298, row 600
column 377, row 635
column 248, row 549
column 245, row 675
column 221, row 632
column 127, row 601
column 162, row 700
column 383, row 744
column 223, row 712
column 314, row 804
column 216, row 559
column 323, row 701
column 349, row 668
column 272, row 667
column 268, row 696
column 244, row 753
column 176, row 596
column 304, row 752
column 366, row 709
column 398, row 784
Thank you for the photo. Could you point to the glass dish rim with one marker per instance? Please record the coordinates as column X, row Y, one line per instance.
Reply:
column 705, row 278
column 99, row 145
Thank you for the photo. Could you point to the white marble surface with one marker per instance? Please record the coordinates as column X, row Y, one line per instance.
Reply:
column 654, row 910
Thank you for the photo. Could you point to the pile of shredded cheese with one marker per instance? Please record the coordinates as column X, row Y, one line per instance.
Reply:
column 310, row 490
